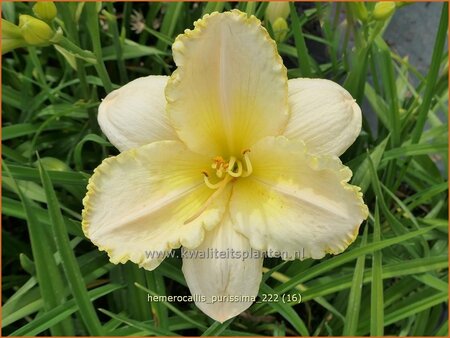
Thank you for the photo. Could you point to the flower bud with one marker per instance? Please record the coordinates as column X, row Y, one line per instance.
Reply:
column 10, row 30
column 35, row 32
column 280, row 29
column 11, row 37
column 52, row 163
column 360, row 10
column 45, row 10
column 277, row 10
column 383, row 10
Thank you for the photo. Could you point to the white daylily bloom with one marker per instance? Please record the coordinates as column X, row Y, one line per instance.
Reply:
column 233, row 156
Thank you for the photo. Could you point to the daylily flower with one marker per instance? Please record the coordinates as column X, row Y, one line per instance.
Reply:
column 225, row 154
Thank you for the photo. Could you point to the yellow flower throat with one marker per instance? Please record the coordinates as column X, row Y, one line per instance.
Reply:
column 227, row 172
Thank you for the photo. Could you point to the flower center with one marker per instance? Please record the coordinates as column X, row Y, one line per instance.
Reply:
column 233, row 168
column 225, row 172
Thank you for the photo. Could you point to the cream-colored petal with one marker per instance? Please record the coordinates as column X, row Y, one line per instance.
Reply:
column 138, row 202
column 295, row 205
column 224, row 270
column 323, row 115
column 230, row 87
column 135, row 114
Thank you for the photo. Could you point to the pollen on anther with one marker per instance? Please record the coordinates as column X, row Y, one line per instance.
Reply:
column 218, row 159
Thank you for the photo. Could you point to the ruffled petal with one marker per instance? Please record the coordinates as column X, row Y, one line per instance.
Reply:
column 230, row 86
column 225, row 271
column 140, row 204
column 323, row 115
column 295, row 205
column 135, row 114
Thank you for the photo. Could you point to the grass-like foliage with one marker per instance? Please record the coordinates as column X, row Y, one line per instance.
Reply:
column 391, row 281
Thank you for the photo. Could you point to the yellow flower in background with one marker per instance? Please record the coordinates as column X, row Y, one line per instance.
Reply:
column 225, row 154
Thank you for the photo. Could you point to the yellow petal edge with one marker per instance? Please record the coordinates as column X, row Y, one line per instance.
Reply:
column 345, row 174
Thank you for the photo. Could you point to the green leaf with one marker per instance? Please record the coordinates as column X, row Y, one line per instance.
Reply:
column 50, row 280
column 174, row 309
column 217, row 328
column 287, row 312
column 354, row 300
column 362, row 176
column 302, row 52
column 130, row 50
column 430, row 83
column 59, row 313
column 377, row 297
column 349, row 256
column 77, row 154
column 414, row 150
column 23, row 129
column 68, row 260
column 148, row 327
column 57, row 177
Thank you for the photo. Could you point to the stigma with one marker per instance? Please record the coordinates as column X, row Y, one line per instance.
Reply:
column 226, row 171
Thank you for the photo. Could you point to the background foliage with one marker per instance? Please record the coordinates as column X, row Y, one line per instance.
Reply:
column 392, row 280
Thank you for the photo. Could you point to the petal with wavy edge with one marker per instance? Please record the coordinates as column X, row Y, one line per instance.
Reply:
column 138, row 202
column 230, row 86
column 295, row 205
column 135, row 114
column 224, row 270
column 323, row 115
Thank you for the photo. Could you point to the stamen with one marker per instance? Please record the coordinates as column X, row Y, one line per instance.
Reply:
column 232, row 169
column 231, row 163
column 208, row 183
column 218, row 159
